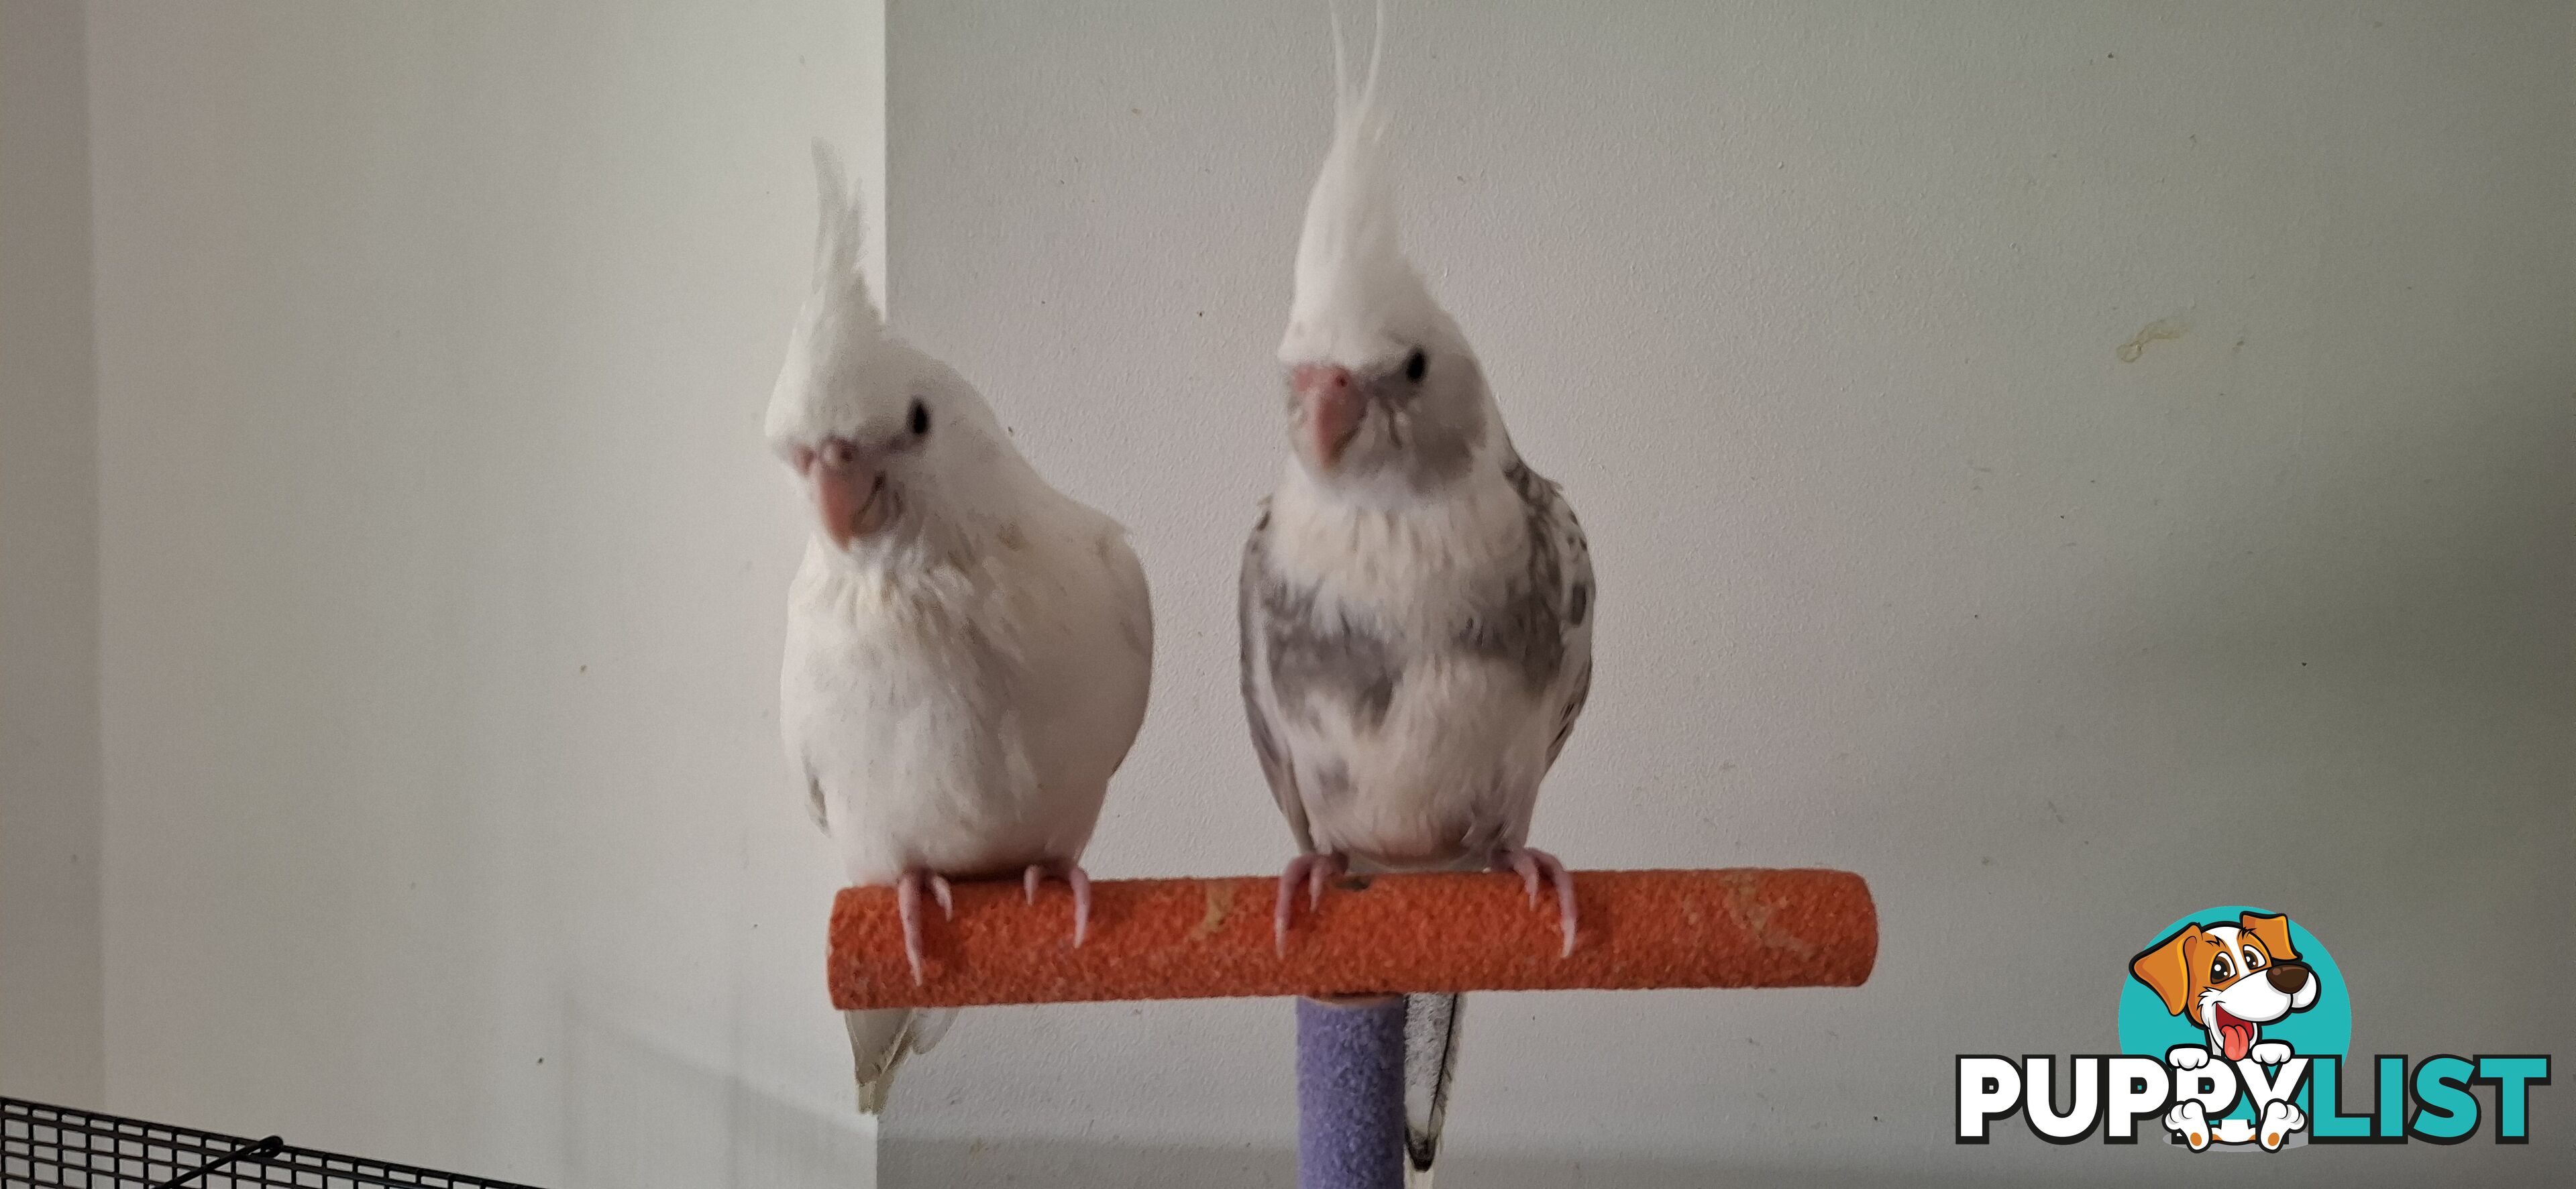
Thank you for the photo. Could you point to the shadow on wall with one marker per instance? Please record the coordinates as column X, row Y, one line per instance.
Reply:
column 615, row 1075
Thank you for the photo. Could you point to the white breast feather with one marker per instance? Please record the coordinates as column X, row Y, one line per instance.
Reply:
column 967, row 719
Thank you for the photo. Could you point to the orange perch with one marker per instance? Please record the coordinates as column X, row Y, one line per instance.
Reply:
column 1211, row 938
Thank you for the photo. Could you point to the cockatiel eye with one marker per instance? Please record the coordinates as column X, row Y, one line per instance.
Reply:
column 920, row 419
column 1416, row 364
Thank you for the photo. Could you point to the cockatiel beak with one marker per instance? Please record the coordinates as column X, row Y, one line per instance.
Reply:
column 848, row 487
column 1331, row 406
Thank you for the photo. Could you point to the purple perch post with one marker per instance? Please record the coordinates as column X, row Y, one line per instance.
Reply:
column 1350, row 1095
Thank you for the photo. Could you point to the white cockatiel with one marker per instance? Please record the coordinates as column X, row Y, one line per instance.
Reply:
column 1416, row 602
column 968, row 649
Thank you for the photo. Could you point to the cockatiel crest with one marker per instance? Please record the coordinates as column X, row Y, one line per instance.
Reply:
column 1358, row 300
column 840, row 329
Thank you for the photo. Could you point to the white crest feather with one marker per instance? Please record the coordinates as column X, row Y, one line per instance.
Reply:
column 840, row 237
column 1353, row 283
column 840, row 327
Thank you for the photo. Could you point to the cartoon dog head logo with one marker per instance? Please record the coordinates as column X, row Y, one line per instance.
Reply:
column 2230, row 980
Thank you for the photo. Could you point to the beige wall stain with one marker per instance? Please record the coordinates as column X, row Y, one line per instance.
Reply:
column 2157, row 331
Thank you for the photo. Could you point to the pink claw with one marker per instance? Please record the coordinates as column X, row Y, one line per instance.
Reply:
column 1532, row 863
column 907, row 899
column 1071, row 873
column 1312, row 870
column 1081, row 881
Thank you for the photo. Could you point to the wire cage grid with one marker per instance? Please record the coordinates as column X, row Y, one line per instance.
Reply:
column 59, row 1147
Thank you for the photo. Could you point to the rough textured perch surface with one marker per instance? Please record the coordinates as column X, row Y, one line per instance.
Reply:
column 1381, row 934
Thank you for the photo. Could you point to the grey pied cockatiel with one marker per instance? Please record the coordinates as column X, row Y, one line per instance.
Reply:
column 1415, row 600
column 968, row 649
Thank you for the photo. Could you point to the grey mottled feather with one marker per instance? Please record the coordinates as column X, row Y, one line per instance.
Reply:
column 1565, row 577
column 1573, row 710
column 1535, row 622
column 1306, row 654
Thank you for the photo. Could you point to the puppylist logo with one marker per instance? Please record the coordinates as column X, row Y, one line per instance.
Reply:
column 2234, row 1026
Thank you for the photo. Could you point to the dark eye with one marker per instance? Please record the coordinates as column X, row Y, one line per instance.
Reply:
column 2220, row 968
column 1415, row 364
column 920, row 418
column 2253, row 959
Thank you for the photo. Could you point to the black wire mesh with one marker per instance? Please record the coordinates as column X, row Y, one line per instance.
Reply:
column 59, row 1147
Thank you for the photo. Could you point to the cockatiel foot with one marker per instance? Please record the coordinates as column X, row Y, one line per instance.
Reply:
column 907, row 899
column 1314, row 871
column 1533, row 863
column 1071, row 873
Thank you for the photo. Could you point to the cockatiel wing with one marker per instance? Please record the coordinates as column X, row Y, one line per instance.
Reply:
column 1134, row 605
column 1255, row 588
column 1552, row 520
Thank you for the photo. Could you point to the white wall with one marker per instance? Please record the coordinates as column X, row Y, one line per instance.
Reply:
column 50, row 1040
column 441, row 564
column 442, row 580
column 1814, row 309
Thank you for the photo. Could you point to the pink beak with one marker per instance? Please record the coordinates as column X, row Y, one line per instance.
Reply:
column 848, row 488
column 1332, row 409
